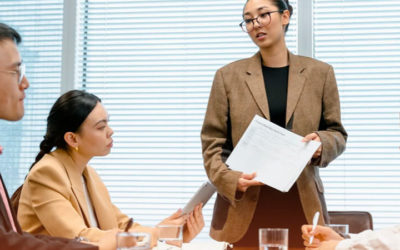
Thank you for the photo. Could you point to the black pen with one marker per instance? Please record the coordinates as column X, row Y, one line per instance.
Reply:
column 130, row 222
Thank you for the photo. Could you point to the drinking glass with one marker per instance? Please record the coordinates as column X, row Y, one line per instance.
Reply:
column 342, row 229
column 133, row 241
column 273, row 238
column 170, row 237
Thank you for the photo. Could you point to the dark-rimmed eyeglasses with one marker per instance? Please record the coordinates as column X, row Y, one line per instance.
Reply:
column 263, row 20
column 20, row 72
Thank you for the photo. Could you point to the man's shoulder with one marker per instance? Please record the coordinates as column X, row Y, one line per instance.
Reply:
column 11, row 240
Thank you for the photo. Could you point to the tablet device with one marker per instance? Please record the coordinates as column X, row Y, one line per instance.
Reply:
column 202, row 195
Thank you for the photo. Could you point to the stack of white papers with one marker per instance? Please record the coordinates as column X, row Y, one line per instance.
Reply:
column 214, row 245
column 277, row 155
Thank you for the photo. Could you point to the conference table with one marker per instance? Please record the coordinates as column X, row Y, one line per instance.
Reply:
column 252, row 248
column 213, row 246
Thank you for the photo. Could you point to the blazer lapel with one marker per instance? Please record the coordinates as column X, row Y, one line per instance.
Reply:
column 99, row 205
column 76, row 181
column 295, row 84
column 255, row 82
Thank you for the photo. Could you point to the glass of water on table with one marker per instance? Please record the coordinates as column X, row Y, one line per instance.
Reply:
column 170, row 237
column 273, row 238
column 342, row 229
column 133, row 241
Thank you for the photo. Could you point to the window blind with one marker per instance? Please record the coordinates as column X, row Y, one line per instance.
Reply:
column 153, row 63
column 361, row 39
column 40, row 24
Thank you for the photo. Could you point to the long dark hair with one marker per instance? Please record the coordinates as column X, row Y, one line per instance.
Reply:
column 67, row 115
column 281, row 5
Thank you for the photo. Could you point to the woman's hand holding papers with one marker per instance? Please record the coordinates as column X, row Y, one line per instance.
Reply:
column 247, row 180
column 314, row 137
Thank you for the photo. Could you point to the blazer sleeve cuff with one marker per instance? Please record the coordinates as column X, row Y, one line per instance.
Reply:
column 228, row 186
column 332, row 146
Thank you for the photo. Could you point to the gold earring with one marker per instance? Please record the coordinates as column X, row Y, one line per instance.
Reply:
column 76, row 149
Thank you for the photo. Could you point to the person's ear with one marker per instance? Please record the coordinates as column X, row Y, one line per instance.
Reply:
column 71, row 140
column 285, row 17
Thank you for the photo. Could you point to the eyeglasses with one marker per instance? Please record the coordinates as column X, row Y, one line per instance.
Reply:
column 263, row 20
column 20, row 72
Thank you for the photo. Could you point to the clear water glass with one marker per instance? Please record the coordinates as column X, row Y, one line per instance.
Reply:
column 133, row 241
column 342, row 229
column 273, row 238
column 170, row 237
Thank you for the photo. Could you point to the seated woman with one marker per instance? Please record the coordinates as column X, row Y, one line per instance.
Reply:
column 62, row 195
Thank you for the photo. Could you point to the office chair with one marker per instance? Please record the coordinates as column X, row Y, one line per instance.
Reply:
column 358, row 221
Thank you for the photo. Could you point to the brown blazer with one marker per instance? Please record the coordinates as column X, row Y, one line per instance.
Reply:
column 53, row 201
column 237, row 94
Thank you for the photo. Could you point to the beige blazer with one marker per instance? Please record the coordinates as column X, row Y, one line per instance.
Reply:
column 237, row 94
column 53, row 201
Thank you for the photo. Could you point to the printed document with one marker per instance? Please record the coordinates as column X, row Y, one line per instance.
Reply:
column 277, row 155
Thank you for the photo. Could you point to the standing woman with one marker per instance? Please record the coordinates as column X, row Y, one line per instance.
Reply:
column 294, row 92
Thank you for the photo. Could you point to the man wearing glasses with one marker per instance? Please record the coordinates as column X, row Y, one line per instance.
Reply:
column 13, row 81
column 12, row 86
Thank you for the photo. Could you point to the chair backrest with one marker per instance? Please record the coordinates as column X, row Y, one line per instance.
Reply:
column 15, row 199
column 358, row 221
